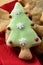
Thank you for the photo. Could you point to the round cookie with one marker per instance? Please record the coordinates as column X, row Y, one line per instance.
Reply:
column 20, row 33
column 4, row 19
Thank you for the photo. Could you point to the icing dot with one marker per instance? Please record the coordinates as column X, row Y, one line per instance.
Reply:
column 17, row 11
column 10, row 42
column 22, row 41
column 20, row 25
column 26, row 12
column 32, row 24
column 9, row 28
column 37, row 39
column 10, row 16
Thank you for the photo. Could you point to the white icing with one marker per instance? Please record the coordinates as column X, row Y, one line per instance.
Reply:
column 20, row 25
column 17, row 11
column 22, row 41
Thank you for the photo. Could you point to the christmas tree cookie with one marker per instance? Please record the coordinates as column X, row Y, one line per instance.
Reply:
column 20, row 33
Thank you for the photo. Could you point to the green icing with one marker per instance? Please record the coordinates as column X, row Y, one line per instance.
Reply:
column 26, row 32
column 17, row 6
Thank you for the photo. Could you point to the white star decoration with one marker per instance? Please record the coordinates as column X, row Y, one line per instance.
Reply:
column 20, row 25
column 17, row 11
column 22, row 41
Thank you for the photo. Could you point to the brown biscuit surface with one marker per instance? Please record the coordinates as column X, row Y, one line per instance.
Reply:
column 4, row 19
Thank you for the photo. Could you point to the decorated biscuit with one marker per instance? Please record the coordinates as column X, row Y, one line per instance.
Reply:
column 19, row 32
column 4, row 19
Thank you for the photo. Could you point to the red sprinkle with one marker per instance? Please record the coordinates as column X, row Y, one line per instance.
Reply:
column 10, row 42
column 26, row 12
column 10, row 16
column 32, row 24
column 37, row 39
column 9, row 28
